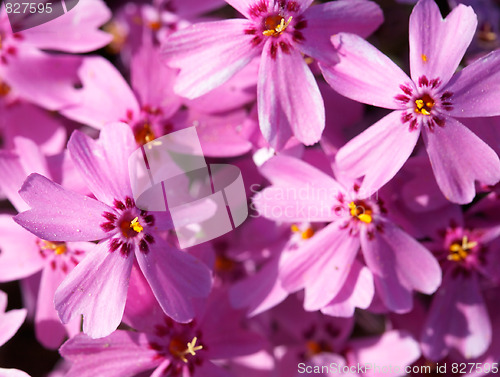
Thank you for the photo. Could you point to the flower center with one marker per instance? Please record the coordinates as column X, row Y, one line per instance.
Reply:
column 275, row 25
column 306, row 234
column 177, row 348
column 361, row 211
column 459, row 250
column 144, row 134
column 59, row 248
column 424, row 104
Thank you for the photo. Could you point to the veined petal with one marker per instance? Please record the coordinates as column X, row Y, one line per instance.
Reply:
column 363, row 73
column 287, row 88
column 324, row 20
column 475, row 88
column 223, row 46
column 121, row 354
column 57, row 214
column 378, row 152
column 105, row 96
column 437, row 45
column 175, row 277
column 96, row 289
column 104, row 163
column 459, row 158
column 466, row 325
column 75, row 32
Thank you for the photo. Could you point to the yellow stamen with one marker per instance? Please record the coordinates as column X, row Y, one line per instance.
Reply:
column 308, row 233
column 59, row 248
column 135, row 225
column 361, row 213
column 278, row 29
column 424, row 105
column 424, row 58
column 458, row 252
column 190, row 350
column 295, row 228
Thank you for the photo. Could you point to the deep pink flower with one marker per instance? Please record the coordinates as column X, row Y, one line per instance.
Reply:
column 327, row 261
column 97, row 287
column 428, row 103
column 280, row 31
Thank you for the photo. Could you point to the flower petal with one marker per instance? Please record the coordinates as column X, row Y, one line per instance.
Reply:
column 57, row 214
column 288, row 95
column 20, row 256
column 123, row 353
column 300, row 192
column 399, row 265
column 357, row 292
column 105, row 96
column 153, row 81
column 466, row 325
column 223, row 45
column 104, row 164
column 75, row 32
column 10, row 321
column 378, row 152
column 458, row 158
column 321, row 265
column 55, row 76
column 404, row 351
column 475, row 88
column 436, row 45
column 363, row 73
column 96, row 289
column 175, row 277
column 49, row 330
column 324, row 20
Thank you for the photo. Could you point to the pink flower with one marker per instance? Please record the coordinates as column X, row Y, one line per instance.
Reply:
column 289, row 101
column 470, row 260
column 161, row 347
column 326, row 265
column 428, row 103
column 97, row 287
